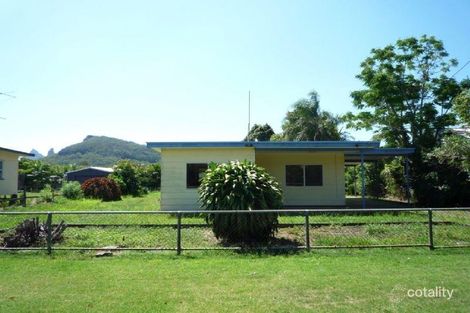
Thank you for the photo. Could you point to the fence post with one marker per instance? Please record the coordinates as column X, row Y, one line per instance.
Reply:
column 49, row 232
column 307, row 231
column 431, row 237
column 178, row 235
column 23, row 198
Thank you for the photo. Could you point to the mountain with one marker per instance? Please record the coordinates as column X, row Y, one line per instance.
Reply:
column 37, row 155
column 103, row 151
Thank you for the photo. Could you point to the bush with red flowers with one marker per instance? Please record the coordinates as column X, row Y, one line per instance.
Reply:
column 101, row 188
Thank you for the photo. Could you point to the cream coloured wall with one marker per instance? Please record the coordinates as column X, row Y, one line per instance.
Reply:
column 9, row 179
column 174, row 194
column 331, row 193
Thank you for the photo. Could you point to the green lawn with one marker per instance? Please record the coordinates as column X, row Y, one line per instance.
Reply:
column 328, row 281
column 349, row 280
column 375, row 232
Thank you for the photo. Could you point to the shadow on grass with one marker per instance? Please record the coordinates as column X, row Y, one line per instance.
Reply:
column 274, row 246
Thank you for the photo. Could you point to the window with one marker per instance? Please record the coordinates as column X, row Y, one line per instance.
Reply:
column 304, row 175
column 194, row 173
column 294, row 175
column 1, row 169
column 313, row 175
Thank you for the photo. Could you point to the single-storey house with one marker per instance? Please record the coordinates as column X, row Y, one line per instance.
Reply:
column 311, row 173
column 86, row 173
column 9, row 170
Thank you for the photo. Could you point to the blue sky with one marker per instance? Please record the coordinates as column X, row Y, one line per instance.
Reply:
column 181, row 70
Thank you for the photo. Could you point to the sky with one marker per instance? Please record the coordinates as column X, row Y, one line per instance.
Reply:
column 181, row 70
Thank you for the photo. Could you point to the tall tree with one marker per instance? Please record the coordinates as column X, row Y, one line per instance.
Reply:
column 408, row 97
column 307, row 122
column 462, row 103
column 260, row 133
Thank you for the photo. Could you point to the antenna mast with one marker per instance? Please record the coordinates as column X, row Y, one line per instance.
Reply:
column 249, row 115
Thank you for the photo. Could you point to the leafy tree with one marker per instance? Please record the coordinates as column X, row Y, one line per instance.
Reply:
column 126, row 175
column 407, row 99
column 260, row 133
column 454, row 152
column 38, row 174
column 307, row 122
column 150, row 176
column 408, row 96
column 240, row 186
column 277, row 137
column 462, row 103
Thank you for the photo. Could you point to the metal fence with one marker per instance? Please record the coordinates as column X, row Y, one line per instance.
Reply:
column 188, row 230
column 23, row 199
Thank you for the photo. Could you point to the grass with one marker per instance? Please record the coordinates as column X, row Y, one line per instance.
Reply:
column 328, row 281
column 374, row 280
column 366, row 229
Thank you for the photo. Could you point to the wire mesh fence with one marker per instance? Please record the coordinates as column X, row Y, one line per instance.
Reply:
column 189, row 230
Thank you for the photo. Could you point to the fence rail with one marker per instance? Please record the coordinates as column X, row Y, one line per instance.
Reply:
column 309, row 229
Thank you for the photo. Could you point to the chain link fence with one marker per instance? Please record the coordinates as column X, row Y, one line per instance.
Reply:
column 188, row 230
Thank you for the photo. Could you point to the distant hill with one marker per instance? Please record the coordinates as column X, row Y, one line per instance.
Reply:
column 103, row 151
column 37, row 155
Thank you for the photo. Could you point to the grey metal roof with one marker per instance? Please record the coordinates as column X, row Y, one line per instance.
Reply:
column 102, row 169
column 271, row 145
column 16, row 151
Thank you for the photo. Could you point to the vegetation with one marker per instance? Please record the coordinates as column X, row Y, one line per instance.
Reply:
column 102, row 151
column 37, row 174
column 47, row 194
column 407, row 101
column 241, row 186
column 307, row 122
column 136, row 179
column 328, row 281
column 101, row 188
column 72, row 190
column 260, row 133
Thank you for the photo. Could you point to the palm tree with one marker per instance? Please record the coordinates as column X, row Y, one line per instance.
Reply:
column 307, row 122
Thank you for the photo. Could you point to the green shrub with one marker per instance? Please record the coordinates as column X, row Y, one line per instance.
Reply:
column 241, row 186
column 47, row 194
column 126, row 174
column 101, row 188
column 72, row 190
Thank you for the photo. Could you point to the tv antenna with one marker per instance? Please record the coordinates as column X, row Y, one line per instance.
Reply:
column 249, row 115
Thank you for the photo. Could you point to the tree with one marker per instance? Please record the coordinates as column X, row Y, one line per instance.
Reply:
column 407, row 99
column 462, row 103
column 126, row 175
column 307, row 122
column 240, row 186
column 260, row 133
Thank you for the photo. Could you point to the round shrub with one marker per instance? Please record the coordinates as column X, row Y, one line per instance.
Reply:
column 72, row 190
column 101, row 188
column 241, row 186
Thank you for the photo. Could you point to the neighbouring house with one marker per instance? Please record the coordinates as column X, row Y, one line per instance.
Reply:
column 9, row 170
column 311, row 173
column 86, row 173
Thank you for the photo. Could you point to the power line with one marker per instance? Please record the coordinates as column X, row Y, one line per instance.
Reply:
column 468, row 62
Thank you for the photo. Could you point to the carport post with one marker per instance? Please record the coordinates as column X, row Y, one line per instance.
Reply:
column 363, row 181
column 407, row 179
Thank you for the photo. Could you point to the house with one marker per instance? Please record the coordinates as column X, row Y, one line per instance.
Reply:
column 311, row 173
column 9, row 170
column 86, row 173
